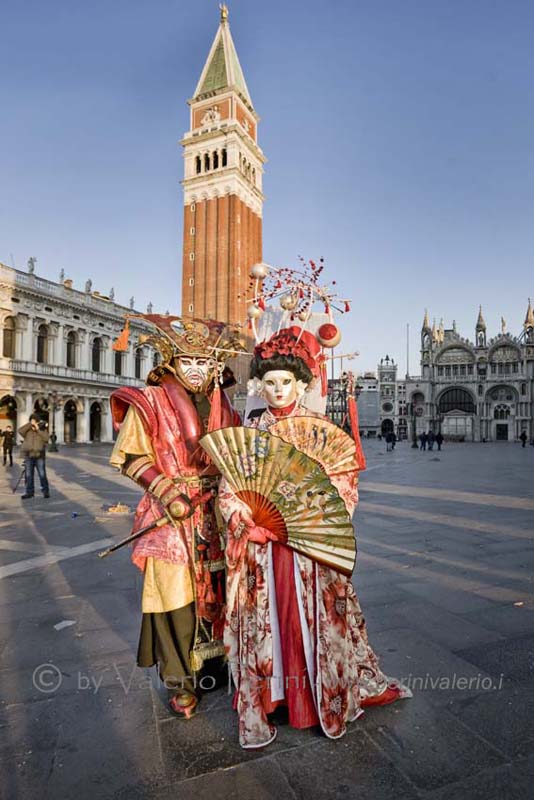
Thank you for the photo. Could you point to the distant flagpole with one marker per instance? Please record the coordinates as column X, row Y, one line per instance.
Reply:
column 407, row 349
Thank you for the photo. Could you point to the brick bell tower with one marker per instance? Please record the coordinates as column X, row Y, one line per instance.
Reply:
column 222, row 188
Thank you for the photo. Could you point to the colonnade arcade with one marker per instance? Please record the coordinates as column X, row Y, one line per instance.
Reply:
column 72, row 418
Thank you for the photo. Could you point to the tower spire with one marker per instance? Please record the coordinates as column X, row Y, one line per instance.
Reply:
column 529, row 318
column 222, row 71
column 481, row 322
column 426, row 321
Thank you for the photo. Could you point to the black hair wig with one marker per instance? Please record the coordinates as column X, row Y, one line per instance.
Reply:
column 259, row 366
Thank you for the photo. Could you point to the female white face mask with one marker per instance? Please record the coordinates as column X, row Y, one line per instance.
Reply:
column 279, row 388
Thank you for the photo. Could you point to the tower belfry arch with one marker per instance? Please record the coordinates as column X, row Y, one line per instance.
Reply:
column 223, row 198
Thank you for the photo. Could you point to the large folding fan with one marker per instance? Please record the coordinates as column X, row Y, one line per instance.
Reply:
column 320, row 439
column 287, row 491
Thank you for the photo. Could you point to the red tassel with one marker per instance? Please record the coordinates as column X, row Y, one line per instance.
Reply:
column 215, row 418
column 261, row 303
column 220, row 596
column 355, row 426
column 324, row 380
column 347, row 306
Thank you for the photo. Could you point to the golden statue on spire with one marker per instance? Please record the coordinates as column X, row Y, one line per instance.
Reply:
column 224, row 12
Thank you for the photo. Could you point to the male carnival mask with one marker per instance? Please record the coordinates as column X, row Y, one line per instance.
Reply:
column 194, row 350
column 195, row 372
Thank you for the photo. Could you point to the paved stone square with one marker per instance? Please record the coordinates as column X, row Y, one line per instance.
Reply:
column 445, row 575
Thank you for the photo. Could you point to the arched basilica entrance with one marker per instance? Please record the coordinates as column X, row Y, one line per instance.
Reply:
column 457, row 410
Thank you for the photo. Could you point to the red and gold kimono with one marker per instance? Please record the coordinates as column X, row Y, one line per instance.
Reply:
column 294, row 632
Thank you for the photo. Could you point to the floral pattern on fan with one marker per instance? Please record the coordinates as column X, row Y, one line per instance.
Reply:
column 288, row 492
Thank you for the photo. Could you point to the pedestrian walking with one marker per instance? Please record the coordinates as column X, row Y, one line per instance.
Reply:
column 523, row 438
column 431, row 438
column 423, row 440
column 393, row 440
column 388, row 442
column 35, row 439
column 8, row 441
column 439, row 440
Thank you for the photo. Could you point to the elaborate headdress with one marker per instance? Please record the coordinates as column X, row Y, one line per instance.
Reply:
column 176, row 336
column 295, row 342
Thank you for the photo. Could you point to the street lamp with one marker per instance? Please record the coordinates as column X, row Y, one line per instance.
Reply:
column 414, row 426
column 54, row 402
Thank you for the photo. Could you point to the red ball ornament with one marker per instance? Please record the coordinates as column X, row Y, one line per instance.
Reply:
column 328, row 335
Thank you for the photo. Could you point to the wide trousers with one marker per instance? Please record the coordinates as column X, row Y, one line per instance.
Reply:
column 167, row 640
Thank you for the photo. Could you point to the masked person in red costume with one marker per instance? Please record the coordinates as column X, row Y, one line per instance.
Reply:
column 295, row 634
column 157, row 447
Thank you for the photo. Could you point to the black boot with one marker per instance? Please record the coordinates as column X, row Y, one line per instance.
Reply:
column 26, row 496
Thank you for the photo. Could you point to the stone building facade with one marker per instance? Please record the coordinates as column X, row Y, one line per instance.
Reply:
column 56, row 355
column 480, row 390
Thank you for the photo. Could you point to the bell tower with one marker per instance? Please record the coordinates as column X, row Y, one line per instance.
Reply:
column 222, row 183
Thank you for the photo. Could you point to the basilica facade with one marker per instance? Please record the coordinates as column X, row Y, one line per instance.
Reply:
column 474, row 390
column 56, row 355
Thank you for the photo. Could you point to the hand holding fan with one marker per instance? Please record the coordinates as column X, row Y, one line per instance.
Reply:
column 287, row 491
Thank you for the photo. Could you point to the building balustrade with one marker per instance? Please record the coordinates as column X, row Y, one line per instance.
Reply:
column 67, row 373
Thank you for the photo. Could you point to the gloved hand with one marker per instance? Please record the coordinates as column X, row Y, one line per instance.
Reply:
column 145, row 473
column 177, row 504
column 241, row 530
column 255, row 533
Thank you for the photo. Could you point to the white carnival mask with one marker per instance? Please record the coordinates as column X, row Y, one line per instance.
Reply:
column 280, row 388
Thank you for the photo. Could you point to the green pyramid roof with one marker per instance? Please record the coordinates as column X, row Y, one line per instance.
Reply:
column 222, row 69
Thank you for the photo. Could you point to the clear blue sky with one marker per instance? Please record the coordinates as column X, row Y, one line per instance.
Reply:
column 399, row 138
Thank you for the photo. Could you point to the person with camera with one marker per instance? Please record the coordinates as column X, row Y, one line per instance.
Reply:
column 8, row 441
column 35, row 439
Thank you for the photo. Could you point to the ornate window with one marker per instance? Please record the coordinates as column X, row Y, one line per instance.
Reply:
column 456, row 400
column 8, row 347
column 501, row 411
column 156, row 359
column 42, row 344
column 71, row 349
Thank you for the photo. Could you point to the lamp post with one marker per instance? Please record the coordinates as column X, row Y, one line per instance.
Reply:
column 414, row 426
column 54, row 402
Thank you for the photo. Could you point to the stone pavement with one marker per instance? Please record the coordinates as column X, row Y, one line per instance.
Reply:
column 445, row 577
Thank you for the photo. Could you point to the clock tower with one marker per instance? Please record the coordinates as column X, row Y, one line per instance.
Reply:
column 223, row 196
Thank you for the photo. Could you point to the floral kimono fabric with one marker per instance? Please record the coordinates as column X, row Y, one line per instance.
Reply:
column 294, row 635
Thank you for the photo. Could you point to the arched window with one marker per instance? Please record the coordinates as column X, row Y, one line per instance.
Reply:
column 42, row 344
column 198, row 165
column 456, row 400
column 8, row 348
column 71, row 349
column 215, row 159
column 480, row 390
column 501, row 412
column 96, row 354
column 223, row 157
column 523, row 389
column 139, row 358
column 156, row 359
column 206, row 162
column 118, row 362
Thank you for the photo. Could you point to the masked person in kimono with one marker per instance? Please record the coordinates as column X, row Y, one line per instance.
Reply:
column 157, row 447
column 294, row 634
